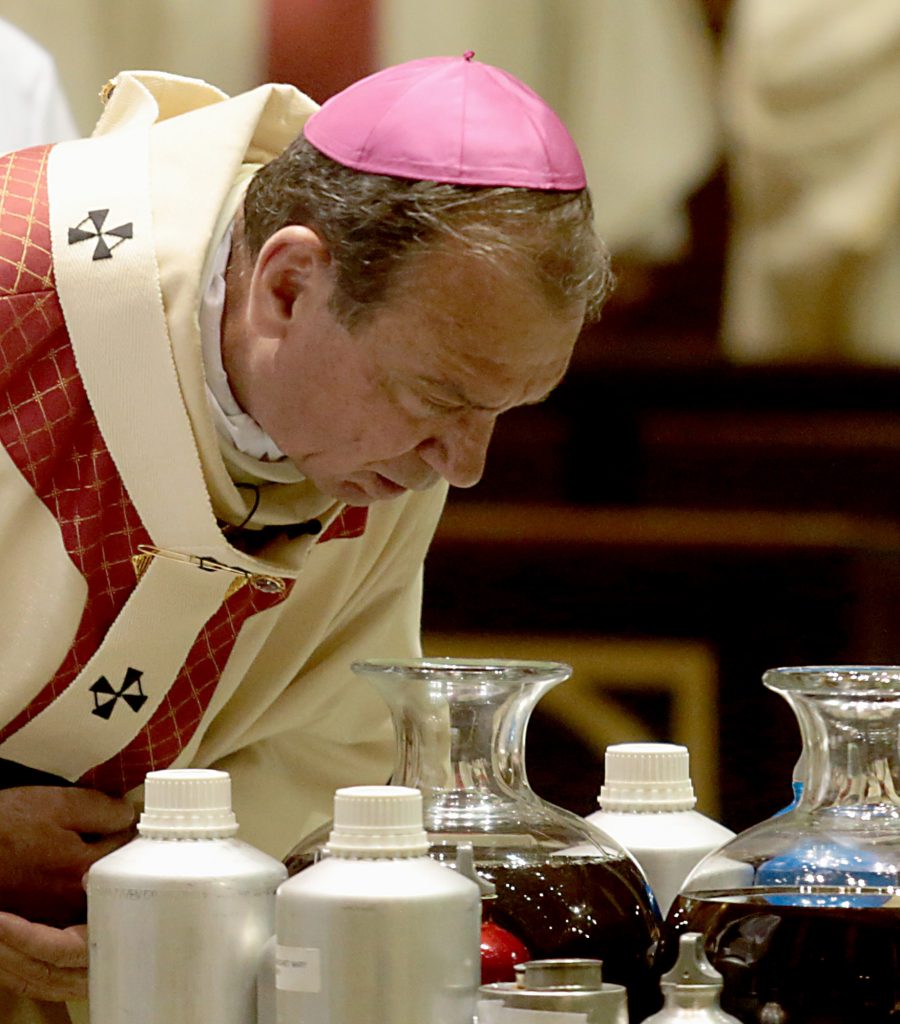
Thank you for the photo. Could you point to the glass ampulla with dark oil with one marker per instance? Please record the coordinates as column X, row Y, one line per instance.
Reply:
column 582, row 908
column 801, row 913
column 564, row 888
column 785, row 964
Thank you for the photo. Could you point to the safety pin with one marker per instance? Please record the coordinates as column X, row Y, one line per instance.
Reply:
column 263, row 583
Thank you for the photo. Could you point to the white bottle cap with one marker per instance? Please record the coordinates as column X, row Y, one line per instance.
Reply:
column 378, row 821
column 647, row 777
column 187, row 803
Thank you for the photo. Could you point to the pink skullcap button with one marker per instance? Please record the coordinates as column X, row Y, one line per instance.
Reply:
column 448, row 119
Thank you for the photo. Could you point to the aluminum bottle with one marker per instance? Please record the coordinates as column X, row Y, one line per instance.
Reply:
column 377, row 932
column 178, row 918
column 646, row 803
column 692, row 988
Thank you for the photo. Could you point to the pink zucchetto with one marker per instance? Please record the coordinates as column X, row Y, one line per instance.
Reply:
column 448, row 119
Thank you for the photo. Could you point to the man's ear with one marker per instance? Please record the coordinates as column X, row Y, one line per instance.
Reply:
column 292, row 272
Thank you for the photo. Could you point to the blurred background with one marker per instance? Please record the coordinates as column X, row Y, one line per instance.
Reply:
column 714, row 489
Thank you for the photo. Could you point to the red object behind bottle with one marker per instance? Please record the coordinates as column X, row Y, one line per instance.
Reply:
column 500, row 952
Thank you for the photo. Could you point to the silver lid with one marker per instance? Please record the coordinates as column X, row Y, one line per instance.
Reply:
column 559, row 986
column 567, row 974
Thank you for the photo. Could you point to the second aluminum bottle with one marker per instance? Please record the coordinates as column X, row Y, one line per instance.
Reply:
column 377, row 932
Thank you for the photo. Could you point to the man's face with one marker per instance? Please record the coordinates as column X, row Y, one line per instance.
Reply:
column 412, row 394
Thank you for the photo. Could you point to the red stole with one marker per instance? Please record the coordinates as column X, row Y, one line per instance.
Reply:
column 49, row 431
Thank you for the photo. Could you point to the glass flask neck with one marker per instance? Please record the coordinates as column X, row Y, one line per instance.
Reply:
column 460, row 732
column 454, row 738
column 850, row 724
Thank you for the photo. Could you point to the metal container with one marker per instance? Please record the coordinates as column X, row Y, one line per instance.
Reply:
column 178, row 919
column 555, row 987
column 377, row 932
column 692, row 989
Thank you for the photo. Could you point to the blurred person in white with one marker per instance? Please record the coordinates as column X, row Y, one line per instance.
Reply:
column 812, row 108
column 635, row 83
column 219, row 41
column 33, row 106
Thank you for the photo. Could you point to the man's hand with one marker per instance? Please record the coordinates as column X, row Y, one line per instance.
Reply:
column 43, row 962
column 49, row 837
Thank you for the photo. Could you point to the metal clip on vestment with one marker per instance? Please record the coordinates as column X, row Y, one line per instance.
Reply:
column 264, row 584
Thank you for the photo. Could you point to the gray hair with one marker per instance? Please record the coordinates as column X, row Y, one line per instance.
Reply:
column 374, row 225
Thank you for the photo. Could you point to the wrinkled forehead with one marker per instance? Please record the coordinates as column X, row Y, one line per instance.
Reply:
column 452, row 281
column 476, row 330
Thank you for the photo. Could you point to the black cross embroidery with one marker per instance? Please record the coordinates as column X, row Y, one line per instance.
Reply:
column 102, row 250
column 104, row 708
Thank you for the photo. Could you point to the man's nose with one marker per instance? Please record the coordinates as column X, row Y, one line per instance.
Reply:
column 459, row 452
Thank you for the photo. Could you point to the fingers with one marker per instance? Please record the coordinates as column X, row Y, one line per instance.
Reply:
column 63, row 807
column 49, row 837
column 97, row 848
column 88, row 811
column 41, row 962
column 60, row 947
column 76, row 934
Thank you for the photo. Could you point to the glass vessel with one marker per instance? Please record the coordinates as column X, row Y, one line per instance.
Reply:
column 801, row 913
column 563, row 888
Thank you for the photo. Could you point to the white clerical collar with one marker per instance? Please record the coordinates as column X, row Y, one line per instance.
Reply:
column 231, row 421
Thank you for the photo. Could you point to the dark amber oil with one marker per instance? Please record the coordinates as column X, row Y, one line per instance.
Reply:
column 582, row 907
column 835, row 960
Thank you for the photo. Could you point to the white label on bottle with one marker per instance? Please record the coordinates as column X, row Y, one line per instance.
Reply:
column 297, row 969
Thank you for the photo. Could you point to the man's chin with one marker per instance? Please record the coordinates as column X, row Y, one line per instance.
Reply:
column 368, row 487
column 362, row 495
column 360, row 501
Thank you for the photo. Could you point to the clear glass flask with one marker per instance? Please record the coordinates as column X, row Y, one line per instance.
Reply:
column 801, row 913
column 563, row 888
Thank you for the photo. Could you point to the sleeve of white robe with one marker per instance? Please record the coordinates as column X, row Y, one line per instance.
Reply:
column 33, row 107
column 328, row 727
column 812, row 101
